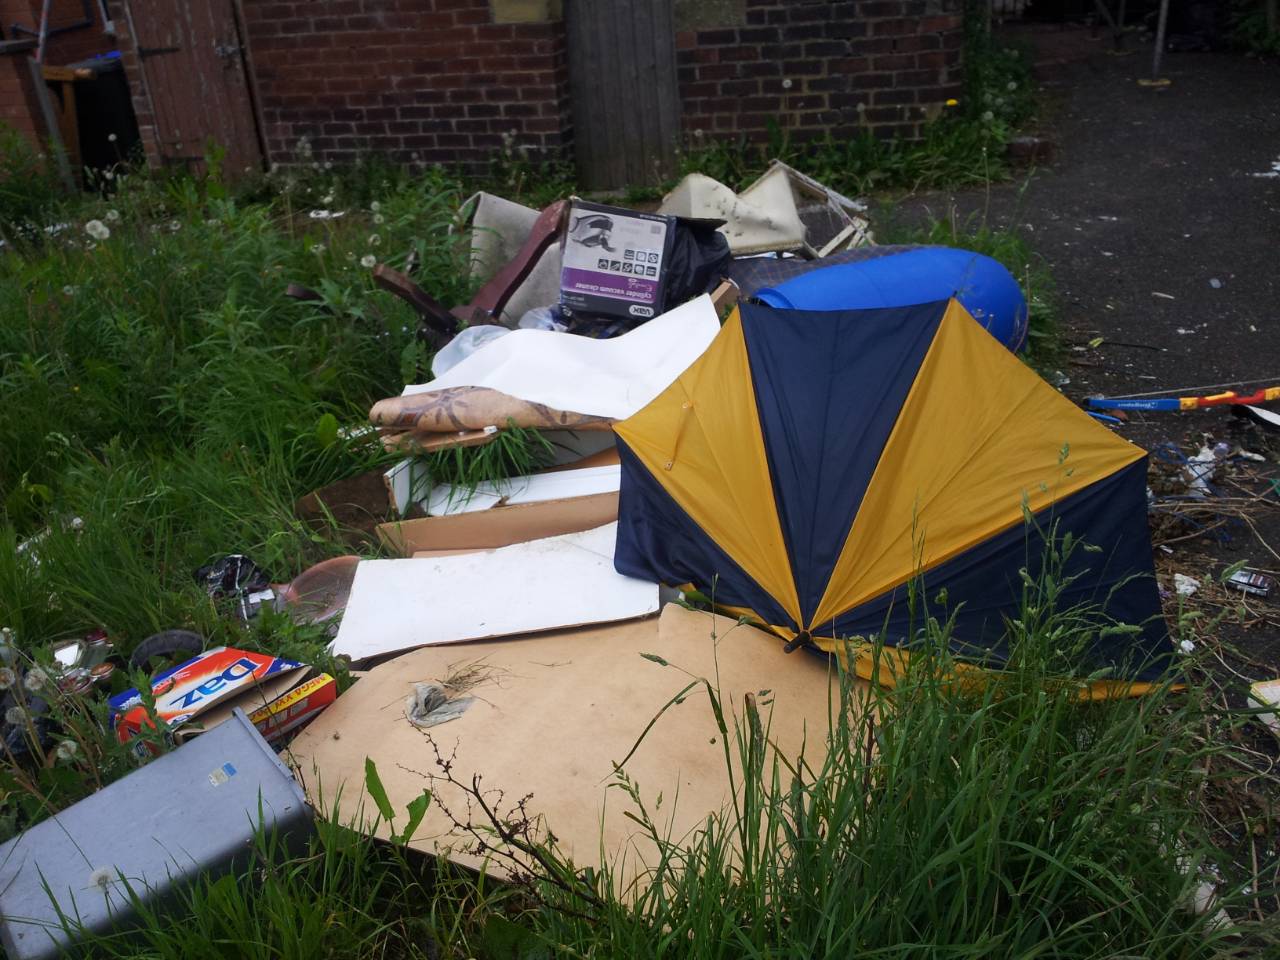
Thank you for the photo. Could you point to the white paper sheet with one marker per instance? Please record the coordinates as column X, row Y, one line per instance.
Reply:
column 605, row 378
column 446, row 499
column 540, row 585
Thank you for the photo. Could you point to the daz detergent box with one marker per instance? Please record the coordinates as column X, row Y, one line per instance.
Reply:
column 200, row 694
column 614, row 261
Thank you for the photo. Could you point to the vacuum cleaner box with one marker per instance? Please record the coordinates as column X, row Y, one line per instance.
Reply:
column 188, row 813
column 614, row 261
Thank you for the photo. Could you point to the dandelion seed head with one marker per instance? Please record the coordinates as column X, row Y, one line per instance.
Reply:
column 112, row 216
column 66, row 749
column 368, row 261
column 97, row 229
column 36, row 679
column 14, row 716
column 7, row 678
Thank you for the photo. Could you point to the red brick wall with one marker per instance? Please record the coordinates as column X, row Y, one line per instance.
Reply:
column 425, row 80
column 813, row 66
column 18, row 107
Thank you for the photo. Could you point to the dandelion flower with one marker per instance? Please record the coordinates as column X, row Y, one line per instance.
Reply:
column 368, row 261
column 66, row 749
column 101, row 878
column 375, row 207
column 317, row 248
column 953, row 102
column 36, row 679
column 7, row 678
column 374, row 240
column 15, row 716
column 112, row 138
column 97, row 229
column 112, row 216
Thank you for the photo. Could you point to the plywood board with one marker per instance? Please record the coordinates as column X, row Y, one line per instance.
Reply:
column 447, row 499
column 552, row 714
column 546, row 584
column 501, row 526
column 606, row 378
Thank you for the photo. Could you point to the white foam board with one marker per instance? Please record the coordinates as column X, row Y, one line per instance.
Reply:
column 546, row 584
column 606, row 378
column 446, row 499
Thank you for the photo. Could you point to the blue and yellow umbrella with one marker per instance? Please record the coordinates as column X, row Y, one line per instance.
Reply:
column 811, row 466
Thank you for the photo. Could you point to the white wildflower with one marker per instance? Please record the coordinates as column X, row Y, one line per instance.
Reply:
column 368, row 261
column 112, row 138
column 374, row 240
column 15, row 717
column 112, row 216
column 101, row 878
column 66, row 749
column 317, row 248
column 35, row 680
column 7, row 678
column 375, row 207
column 97, row 229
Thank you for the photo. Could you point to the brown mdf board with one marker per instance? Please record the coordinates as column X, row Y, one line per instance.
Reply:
column 551, row 714
column 499, row 526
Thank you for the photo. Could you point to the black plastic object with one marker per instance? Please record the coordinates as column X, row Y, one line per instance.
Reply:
column 167, row 643
column 233, row 574
column 698, row 260
column 237, row 577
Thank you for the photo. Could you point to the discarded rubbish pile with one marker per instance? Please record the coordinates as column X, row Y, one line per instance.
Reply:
column 847, row 431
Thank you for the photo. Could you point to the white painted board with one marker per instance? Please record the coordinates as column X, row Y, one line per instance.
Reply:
column 605, row 378
column 446, row 499
column 540, row 585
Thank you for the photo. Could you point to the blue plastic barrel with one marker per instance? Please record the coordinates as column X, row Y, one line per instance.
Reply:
column 919, row 275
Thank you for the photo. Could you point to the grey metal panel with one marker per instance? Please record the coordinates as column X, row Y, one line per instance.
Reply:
column 622, row 79
column 188, row 812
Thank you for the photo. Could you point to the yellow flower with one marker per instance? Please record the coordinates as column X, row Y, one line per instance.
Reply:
column 953, row 102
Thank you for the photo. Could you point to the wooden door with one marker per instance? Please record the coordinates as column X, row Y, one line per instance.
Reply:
column 622, row 80
column 195, row 71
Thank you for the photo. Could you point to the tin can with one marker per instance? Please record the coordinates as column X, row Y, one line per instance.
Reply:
column 76, row 681
column 1252, row 582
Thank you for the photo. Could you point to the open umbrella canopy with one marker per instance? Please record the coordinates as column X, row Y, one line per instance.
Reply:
column 810, row 467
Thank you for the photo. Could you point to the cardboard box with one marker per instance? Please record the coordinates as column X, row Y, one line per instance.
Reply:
column 614, row 261
column 205, row 689
column 498, row 527
column 1266, row 693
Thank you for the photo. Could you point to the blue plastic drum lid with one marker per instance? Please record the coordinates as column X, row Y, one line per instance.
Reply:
column 923, row 275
